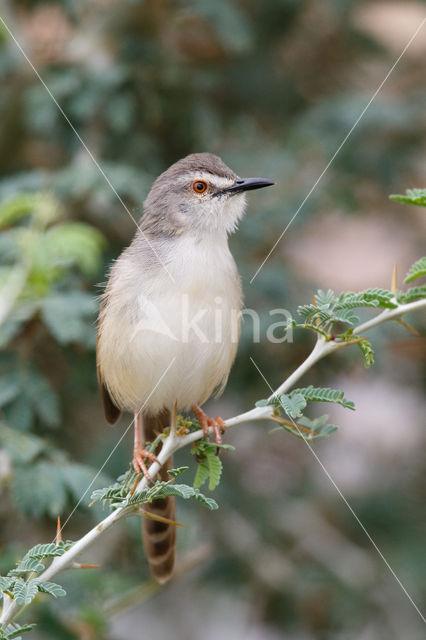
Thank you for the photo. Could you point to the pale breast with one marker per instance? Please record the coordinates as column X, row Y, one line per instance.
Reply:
column 164, row 341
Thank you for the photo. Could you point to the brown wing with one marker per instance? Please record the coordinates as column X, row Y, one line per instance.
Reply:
column 111, row 411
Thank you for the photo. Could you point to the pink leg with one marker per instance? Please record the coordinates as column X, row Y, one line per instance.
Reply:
column 139, row 451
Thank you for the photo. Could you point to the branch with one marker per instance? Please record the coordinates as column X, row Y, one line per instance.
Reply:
column 173, row 442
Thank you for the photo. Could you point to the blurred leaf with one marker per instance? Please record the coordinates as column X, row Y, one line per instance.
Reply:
column 39, row 489
column 14, row 630
column 412, row 196
column 22, row 447
column 78, row 477
column 73, row 243
column 71, row 317
column 416, row 270
column 412, row 294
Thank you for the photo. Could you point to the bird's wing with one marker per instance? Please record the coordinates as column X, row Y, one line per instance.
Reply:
column 111, row 411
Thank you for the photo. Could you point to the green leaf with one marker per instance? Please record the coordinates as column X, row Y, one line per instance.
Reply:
column 52, row 589
column 6, row 583
column 367, row 352
column 323, row 394
column 412, row 196
column 177, row 472
column 215, row 470
column 27, row 565
column 325, row 297
column 14, row 630
column 293, row 404
column 207, row 502
column 49, row 550
column 164, row 489
column 416, row 270
column 202, row 473
column 415, row 293
column 368, row 298
column 25, row 592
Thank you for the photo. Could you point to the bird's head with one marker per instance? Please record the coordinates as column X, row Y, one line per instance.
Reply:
column 198, row 193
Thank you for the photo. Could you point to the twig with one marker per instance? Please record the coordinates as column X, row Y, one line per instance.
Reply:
column 173, row 442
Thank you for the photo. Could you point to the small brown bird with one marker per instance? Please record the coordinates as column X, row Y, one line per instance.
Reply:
column 169, row 321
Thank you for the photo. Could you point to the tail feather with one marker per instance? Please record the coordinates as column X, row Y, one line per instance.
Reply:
column 159, row 538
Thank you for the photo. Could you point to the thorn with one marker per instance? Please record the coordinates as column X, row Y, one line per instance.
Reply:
column 394, row 278
column 79, row 565
column 133, row 489
column 408, row 326
column 313, row 299
column 152, row 516
column 58, row 531
column 349, row 342
column 173, row 426
column 293, row 425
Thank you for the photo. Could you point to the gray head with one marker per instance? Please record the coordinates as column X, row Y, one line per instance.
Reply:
column 198, row 193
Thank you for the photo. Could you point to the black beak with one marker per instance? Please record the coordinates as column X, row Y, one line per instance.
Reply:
column 247, row 184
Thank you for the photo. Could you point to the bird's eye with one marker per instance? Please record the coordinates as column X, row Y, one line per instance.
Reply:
column 199, row 186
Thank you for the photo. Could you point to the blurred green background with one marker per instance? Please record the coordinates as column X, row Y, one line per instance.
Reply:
column 273, row 88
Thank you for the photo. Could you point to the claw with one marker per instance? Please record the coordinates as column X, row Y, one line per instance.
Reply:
column 138, row 462
column 217, row 424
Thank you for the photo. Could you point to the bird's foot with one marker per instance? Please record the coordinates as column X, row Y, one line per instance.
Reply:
column 217, row 424
column 138, row 462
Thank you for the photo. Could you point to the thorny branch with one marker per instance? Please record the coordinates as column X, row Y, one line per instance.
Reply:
column 173, row 442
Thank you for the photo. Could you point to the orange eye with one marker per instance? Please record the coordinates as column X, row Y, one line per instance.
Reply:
column 199, row 186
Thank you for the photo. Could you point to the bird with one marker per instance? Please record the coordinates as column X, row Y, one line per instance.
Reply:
column 169, row 319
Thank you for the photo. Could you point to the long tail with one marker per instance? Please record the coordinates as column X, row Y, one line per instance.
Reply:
column 159, row 538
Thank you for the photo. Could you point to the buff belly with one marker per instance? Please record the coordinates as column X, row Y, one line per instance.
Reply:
column 171, row 344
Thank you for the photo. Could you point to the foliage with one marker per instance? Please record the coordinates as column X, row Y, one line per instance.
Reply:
column 329, row 310
column 38, row 246
column 209, row 465
column 41, row 260
column 416, row 270
column 120, row 493
column 14, row 630
column 293, row 404
column 23, row 588
column 412, row 196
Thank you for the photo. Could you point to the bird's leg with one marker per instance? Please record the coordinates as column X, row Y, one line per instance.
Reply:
column 139, row 452
column 217, row 424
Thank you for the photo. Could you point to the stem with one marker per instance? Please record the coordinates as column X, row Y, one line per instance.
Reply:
column 174, row 442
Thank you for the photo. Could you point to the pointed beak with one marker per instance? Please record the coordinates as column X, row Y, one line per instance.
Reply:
column 247, row 184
